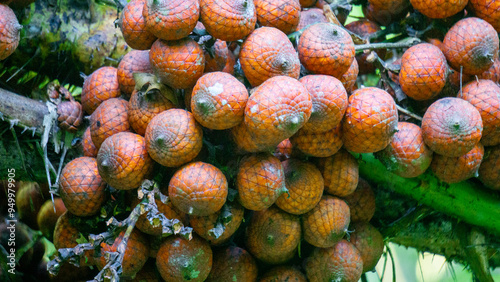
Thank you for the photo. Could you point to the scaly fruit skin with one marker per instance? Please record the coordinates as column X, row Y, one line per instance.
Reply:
column 298, row 175
column 123, row 161
column 228, row 20
column 340, row 173
column 174, row 138
column 311, row 16
column 406, row 155
column 98, row 87
column 370, row 120
column 284, row 150
column 452, row 127
column 66, row 236
column 198, row 188
column 218, row 101
column 69, row 115
column 349, row 78
column 472, row 44
column 281, row 14
column 133, row 26
column 178, row 63
column 423, row 71
column 493, row 73
column 386, row 14
column 326, row 48
column 489, row 171
column 369, row 242
column 439, row 9
column 365, row 28
column 47, row 218
column 134, row 61
column 111, row 117
column 260, row 180
column 283, row 273
column 272, row 235
column 361, row 202
column 171, row 19
column 318, row 144
column 10, row 30
column 457, row 169
column 341, row 262
column 488, row 10
column 81, row 188
column 267, row 52
column 484, row 95
column 327, row 222
column 89, row 149
column 179, row 259
column 233, row 264
column 219, row 58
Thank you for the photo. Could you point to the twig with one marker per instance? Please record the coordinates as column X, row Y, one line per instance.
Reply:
column 408, row 113
column 386, row 45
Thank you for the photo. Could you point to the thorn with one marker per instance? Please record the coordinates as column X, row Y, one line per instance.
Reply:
column 13, row 123
column 1, row 116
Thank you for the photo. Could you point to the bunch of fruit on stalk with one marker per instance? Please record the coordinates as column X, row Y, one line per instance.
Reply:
column 233, row 121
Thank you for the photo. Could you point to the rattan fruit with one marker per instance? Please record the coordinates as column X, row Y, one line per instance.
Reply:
column 266, row 53
column 134, row 61
column 283, row 273
column 218, row 101
column 179, row 259
column 326, row 48
column 471, row 44
column 81, row 188
column 48, row 215
column 361, row 202
column 349, row 78
column 407, row 155
column 457, row 169
column 318, row 144
column 9, row 31
column 305, row 186
column 284, row 150
column 89, row 149
column 218, row 57
column 340, row 173
column 248, row 142
column 123, row 161
column 423, row 71
column 485, row 96
column 273, row 235
column 66, row 235
column 233, row 264
column 311, row 16
column 341, row 262
column 98, row 87
column 133, row 26
column 109, row 118
column 69, row 115
column 488, row 10
column 307, row 3
column 451, row 127
column 489, row 171
column 365, row 29
column 171, row 19
column 281, row 14
column 228, row 20
column 173, row 137
column 178, row 63
column 493, row 73
column 370, row 120
column 439, row 9
column 198, row 188
column 260, row 180
column 29, row 200
column 369, row 242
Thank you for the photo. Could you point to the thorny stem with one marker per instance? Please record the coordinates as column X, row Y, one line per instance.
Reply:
column 375, row 46
column 408, row 113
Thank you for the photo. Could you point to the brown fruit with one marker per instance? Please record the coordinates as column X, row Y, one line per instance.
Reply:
column 283, row 273
column 439, row 9
column 69, row 115
column 451, row 127
column 307, row 3
column 361, row 202
column 273, row 235
column 47, row 217
column 484, row 95
column 457, row 169
column 267, row 52
column 123, row 161
column 66, row 235
column 370, row 120
column 233, row 264
column 305, row 186
column 217, row 59
column 98, row 87
column 493, row 73
column 198, row 189
column 387, row 11
column 423, row 71
column 366, row 28
column 311, row 16
column 284, row 150
column 281, row 14
column 173, row 137
column 178, row 63
column 471, row 44
column 81, row 188
column 369, row 242
column 326, row 48
column 135, row 61
column 133, row 26
column 318, row 144
column 228, row 20
column 488, row 10
column 260, row 181
column 349, row 78
column 327, row 223
column 179, row 259
column 407, row 155
column 340, row 173
column 109, row 118
column 10, row 30
column 89, row 149
column 341, row 262
column 489, row 171
column 29, row 200
column 171, row 19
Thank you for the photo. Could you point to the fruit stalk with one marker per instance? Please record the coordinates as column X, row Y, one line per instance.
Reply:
column 388, row 45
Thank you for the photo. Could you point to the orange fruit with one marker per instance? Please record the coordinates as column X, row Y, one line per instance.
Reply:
column 217, row 59
column 361, row 202
column 318, row 144
column 10, row 31
column 81, row 188
column 123, row 161
column 488, row 10
column 48, row 215
column 198, row 188
column 366, row 28
column 89, row 149
column 307, row 3
column 489, row 172
column 267, row 52
column 179, row 259
column 66, row 235
column 135, row 61
column 283, row 273
column 349, row 78
column 439, row 9
column 172, row 19
column 233, row 264
column 273, row 235
column 340, row 173
column 370, row 120
column 305, row 186
column 247, row 141
column 218, row 101
column 369, row 242
column 493, row 73
column 457, row 169
column 173, row 137
column 283, row 150
column 228, row 20
column 133, row 26
column 260, row 180
column 484, row 95
column 311, row 16
column 281, row 14
column 407, row 155
column 326, row 48
column 109, row 118
column 451, row 127
column 327, row 223
column 423, row 71
column 341, row 262
column 98, row 87
column 472, row 44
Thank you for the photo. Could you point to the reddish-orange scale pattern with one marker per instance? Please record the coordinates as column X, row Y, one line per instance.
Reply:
column 457, row 169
